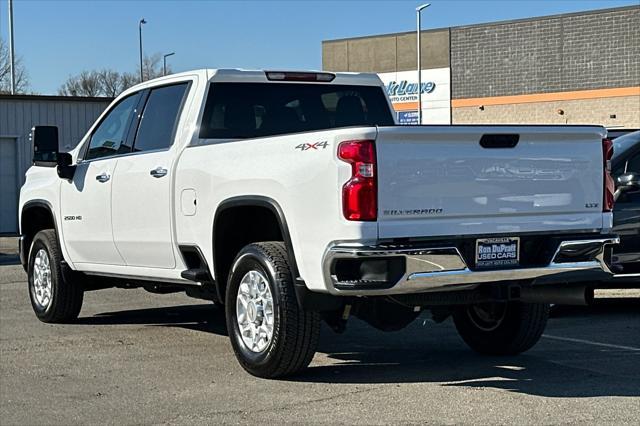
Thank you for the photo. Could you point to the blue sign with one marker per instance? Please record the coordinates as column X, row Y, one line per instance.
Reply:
column 405, row 88
column 408, row 117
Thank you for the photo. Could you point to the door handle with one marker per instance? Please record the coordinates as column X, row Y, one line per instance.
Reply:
column 103, row 177
column 158, row 172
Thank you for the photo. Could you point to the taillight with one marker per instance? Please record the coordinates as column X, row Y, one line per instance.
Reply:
column 360, row 193
column 609, row 186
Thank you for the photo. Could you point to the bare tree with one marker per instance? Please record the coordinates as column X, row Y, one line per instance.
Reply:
column 22, row 78
column 110, row 83
column 152, row 66
column 90, row 83
column 87, row 83
column 70, row 87
column 128, row 79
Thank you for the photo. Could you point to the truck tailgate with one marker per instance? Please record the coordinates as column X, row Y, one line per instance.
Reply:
column 450, row 180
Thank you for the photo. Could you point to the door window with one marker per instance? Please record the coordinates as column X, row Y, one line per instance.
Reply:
column 159, row 118
column 110, row 136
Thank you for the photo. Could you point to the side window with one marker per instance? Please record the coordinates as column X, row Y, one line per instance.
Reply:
column 159, row 118
column 109, row 138
column 633, row 164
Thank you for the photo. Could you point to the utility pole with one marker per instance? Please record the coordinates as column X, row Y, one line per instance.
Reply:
column 419, row 67
column 142, row 21
column 12, row 56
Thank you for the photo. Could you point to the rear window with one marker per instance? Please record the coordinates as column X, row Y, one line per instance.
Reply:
column 160, row 117
column 249, row 110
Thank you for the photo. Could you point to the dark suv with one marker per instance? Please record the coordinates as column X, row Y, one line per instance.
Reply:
column 625, row 167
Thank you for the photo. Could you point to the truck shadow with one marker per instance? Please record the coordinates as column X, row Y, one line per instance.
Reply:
column 534, row 374
column 204, row 317
column 9, row 259
column 426, row 353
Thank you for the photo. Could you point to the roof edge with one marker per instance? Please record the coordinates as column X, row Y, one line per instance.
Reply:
column 484, row 24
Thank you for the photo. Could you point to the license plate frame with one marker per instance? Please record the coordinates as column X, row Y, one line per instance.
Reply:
column 497, row 252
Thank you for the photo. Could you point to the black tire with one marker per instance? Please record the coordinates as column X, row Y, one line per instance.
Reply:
column 295, row 331
column 514, row 329
column 66, row 294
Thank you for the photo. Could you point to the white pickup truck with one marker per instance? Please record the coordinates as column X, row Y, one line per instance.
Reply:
column 293, row 197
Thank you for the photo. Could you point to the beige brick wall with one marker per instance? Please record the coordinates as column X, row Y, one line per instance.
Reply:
column 386, row 53
column 583, row 111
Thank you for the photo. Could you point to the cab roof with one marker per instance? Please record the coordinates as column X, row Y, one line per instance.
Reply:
column 261, row 76
column 266, row 76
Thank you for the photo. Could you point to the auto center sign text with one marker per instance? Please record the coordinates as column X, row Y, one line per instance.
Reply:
column 402, row 89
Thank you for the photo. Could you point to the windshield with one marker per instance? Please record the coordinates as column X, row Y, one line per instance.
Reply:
column 249, row 110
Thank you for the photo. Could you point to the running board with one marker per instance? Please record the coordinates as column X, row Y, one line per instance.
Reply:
column 198, row 275
column 197, row 268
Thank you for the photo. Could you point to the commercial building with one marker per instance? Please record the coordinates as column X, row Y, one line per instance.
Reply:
column 18, row 114
column 578, row 68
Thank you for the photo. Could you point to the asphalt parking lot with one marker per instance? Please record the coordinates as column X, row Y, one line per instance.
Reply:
column 135, row 357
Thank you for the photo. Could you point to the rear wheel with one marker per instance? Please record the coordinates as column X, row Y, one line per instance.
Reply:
column 55, row 295
column 505, row 328
column 271, row 336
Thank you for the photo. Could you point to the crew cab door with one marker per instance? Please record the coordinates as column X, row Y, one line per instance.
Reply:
column 142, row 225
column 626, row 216
column 85, row 201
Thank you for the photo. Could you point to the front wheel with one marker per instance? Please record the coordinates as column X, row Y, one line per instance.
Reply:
column 270, row 334
column 504, row 328
column 55, row 296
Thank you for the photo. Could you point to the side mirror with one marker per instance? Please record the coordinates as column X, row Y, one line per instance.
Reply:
column 45, row 145
column 46, row 151
column 65, row 169
column 628, row 180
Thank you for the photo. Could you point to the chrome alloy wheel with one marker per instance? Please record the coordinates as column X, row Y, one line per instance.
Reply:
column 42, row 288
column 254, row 311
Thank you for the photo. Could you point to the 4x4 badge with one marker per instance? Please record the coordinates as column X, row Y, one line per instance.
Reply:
column 307, row 146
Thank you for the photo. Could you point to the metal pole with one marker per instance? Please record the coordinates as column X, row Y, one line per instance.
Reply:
column 142, row 21
column 12, row 57
column 419, row 67
column 164, row 62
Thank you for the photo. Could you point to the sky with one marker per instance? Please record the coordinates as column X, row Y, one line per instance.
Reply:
column 56, row 39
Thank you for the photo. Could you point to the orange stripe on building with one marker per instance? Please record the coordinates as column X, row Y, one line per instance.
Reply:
column 545, row 97
column 406, row 106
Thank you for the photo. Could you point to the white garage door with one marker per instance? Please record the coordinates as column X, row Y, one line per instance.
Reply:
column 9, row 189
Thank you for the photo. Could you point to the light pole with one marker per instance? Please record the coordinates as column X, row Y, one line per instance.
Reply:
column 142, row 22
column 418, row 10
column 12, row 58
column 164, row 62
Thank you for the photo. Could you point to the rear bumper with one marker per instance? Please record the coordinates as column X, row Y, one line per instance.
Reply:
column 420, row 269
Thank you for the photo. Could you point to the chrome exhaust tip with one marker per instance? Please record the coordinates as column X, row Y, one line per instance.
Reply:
column 576, row 295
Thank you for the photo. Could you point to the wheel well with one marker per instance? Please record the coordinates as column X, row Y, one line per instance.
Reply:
column 234, row 228
column 35, row 219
